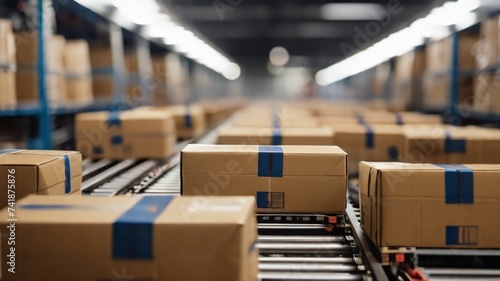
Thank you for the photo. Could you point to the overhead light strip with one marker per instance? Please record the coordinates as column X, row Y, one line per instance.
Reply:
column 435, row 26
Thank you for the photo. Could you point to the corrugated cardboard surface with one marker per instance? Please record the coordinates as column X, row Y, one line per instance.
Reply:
column 392, row 193
column 310, row 179
column 370, row 143
column 264, row 136
column 40, row 172
column 189, row 120
column 62, row 223
column 451, row 145
column 7, row 89
column 136, row 135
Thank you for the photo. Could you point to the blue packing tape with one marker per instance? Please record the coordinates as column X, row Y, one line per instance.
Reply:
column 114, row 119
column 116, row 140
column 276, row 121
column 8, row 151
column 262, row 199
column 361, row 119
column 133, row 231
column 459, row 184
column 452, row 235
column 187, row 118
column 399, row 119
column 276, row 138
column 370, row 137
column 393, row 153
column 103, row 71
column 270, row 161
column 454, row 145
column 97, row 150
column 67, row 173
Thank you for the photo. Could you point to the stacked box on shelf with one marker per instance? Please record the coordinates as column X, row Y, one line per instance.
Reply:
column 276, row 136
column 408, row 79
column 218, row 110
column 449, row 206
column 135, row 91
column 144, row 238
column 381, row 117
column 44, row 172
column 27, row 72
column 125, row 134
column 101, row 60
column 7, row 65
column 160, row 79
column 487, row 83
column 300, row 179
column 78, row 72
column 189, row 119
column 437, row 76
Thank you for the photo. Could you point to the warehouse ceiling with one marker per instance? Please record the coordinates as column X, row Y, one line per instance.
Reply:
column 316, row 33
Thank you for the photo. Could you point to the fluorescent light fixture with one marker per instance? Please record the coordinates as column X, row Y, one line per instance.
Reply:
column 352, row 11
column 279, row 56
column 435, row 25
column 232, row 71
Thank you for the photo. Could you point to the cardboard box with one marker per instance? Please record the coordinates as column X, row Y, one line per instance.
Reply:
column 262, row 119
column 125, row 134
column 369, row 143
column 408, row 71
column 103, row 87
column 77, row 57
column 80, row 89
column 489, row 43
column 387, row 118
column 160, row 76
column 27, row 60
column 189, row 120
column 451, row 145
column 487, row 93
column 101, row 61
column 39, row 172
column 276, row 136
column 144, row 238
column 7, row 89
column 7, row 45
column 449, row 206
column 303, row 179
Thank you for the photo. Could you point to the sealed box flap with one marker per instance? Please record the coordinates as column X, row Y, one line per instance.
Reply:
column 269, row 161
column 63, row 222
column 228, row 223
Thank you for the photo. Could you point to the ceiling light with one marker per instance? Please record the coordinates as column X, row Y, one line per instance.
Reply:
column 352, row 11
column 279, row 56
column 232, row 71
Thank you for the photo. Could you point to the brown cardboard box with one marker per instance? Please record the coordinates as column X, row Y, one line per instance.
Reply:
column 103, row 87
column 262, row 119
column 448, row 207
column 27, row 60
column 39, row 172
column 451, row 145
column 487, row 93
column 269, row 136
column 101, row 60
column 304, row 179
column 144, row 238
column 488, row 51
column 388, row 118
column 80, row 89
column 77, row 67
column 408, row 78
column 126, row 134
column 7, row 44
column 160, row 78
column 7, row 89
column 189, row 120
column 369, row 143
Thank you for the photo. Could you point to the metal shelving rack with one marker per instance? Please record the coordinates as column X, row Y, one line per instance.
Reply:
column 45, row 113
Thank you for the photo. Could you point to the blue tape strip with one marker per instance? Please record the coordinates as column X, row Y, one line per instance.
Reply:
column 97, row 150
column 399, row 119
column 276, row 138
column 370, row 137
column 48, row 207
column 451, row 235
column 459, row 184
column 262, row 201
column 276, row 121
column 103, row 71
column 393, row 153
column 454, row 145
column 133, row 231
column 67, row 173
column 187, row 118
column 8, row 151
column 116, row 140
column 361, row 119
column 270, row 162
column 114, row 119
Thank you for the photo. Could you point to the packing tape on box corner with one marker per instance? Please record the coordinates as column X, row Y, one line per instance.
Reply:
column 459, row 184
column 67, row 174
column 114, row 119
column 399, row 119
column 270, row 161
column 454, row 145
column 187, row 118
column 133, row 231
column 369, row 137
